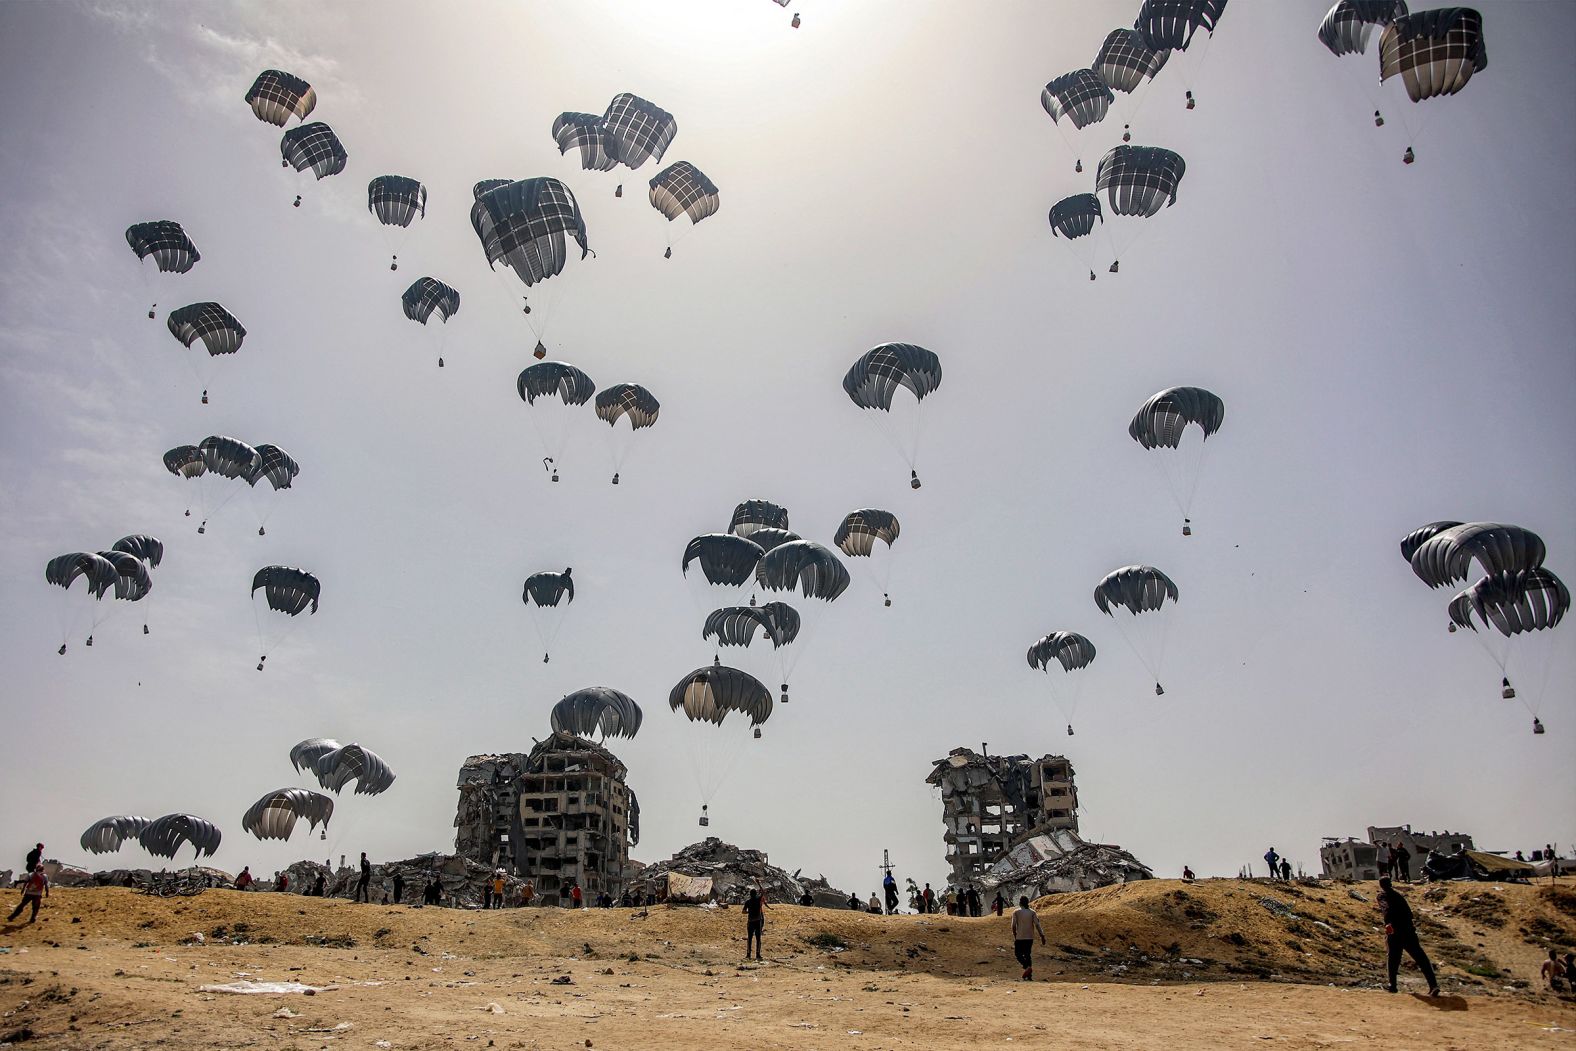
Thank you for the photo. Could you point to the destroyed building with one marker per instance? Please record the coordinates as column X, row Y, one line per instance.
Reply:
column 1353, row 859
column 1349, row 859
column 1012, row 825
column 557, row 816
column 712, row 870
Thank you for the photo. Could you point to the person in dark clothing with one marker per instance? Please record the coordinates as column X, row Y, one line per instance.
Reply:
column 889, row 892
column 487, row 894
column 999, row 904
column 319, row 886
column 34, row 891
column 34, row 856
column 1403, row 862
column 1272, row 859
column 1400, row 935
column 364, row 885
column 1285, row 869
column 754, row 921
column 927, row 900
column 974, row 901
column 806, row 899
column 399, row 886
column 854, row 902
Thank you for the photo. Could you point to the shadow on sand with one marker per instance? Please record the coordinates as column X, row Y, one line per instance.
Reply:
column 1442, row 1003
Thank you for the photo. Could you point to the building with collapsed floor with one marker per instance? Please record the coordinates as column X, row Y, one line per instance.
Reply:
column 558, row 815
column 1353, row 859
column 1348, row 859
column 1012, row 825
column 712, row 870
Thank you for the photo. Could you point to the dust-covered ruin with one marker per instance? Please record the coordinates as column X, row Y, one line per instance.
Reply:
column 712, row 870
column 1012, row 826
column 559, row 815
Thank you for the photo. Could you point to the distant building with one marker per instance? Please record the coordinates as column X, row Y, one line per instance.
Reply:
column 1349, row 859
column 1417, row 844
column 558, row 815
column 990, row 802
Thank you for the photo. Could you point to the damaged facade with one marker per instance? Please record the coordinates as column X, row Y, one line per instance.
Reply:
column 1012, row 824
column 1353, row 859
column 559, row 815
column 712, row 870
column 1349, row 859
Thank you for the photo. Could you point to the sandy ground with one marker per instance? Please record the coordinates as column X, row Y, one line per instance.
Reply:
column 1127, row 967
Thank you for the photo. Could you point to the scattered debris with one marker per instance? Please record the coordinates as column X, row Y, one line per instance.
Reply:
column 731, row 872
column 274, row 988
column 1060, row 862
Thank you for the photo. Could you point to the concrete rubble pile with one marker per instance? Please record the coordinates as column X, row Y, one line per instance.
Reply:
column 1060, row 862
column 734, row 872
column 192, row 879
column 462, row 880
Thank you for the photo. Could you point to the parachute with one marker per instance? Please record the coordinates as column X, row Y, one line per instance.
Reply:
column 642, row 129
column 1143, row 591
column 1073, row 218
column 1139, row 180
column 1074, row 653
column 737, row 625
column 164, row 836
column 1435, row 52
column 225, row 457
column 683, row 189
column 1514, row 603
column 1348, row 25
column 557, row 381
column 279, row 469
column 218, row 329
column 874, row 379
column 1160, row 424
column 708, row 696
column 396, row 201
column 304, row 755
column 805, row 565
column 1417, row 537
column 586, row 132
column 109, row 834
column 1080, row 96
column 546, row 592
column 275, row 815
column 1170, row 24
column 725, row 558
column 857, row 536
column 522, row 224
column 752, row 516
column 1125, row 61
column 769, row 537
column 132, row 581
column 1447, row 556
column 171, row 250
column 629, row 401
column 149, row 549
column 597, row 711
column 313, row 146
column 276, row 96
column 427, row 296
column 98, row 577
column 185, row 461
column 285, row 590
column 351, row 762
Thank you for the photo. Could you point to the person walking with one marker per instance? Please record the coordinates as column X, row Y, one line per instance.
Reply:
column 1272, row 859
column 889, row 891
column 754, row 921
column 497, row 888
column 34, row 856
column 1025, row 925
column 364, row 885
column 1400, row 935
column 999, row 904
column 576, row 895
column 1403, row 861
column 927, row 899
column 34, row 891
column 399, row 886
column 974, row 901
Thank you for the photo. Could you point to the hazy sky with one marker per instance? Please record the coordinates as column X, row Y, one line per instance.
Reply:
column 1394, row 345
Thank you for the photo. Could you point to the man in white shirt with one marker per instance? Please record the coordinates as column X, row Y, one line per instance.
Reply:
column 1025, row 925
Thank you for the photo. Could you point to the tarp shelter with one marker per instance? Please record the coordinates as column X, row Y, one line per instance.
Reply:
column 691, row 889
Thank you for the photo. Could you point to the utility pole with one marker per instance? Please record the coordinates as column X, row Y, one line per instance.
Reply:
column 886, row 861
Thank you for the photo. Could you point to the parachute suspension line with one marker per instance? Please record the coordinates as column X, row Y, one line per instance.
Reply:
column 1077, row 159
column 1191, row 69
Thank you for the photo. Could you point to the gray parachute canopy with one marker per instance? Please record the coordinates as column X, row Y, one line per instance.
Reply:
column 1161, row 420
column 522, row 224
column 1140, row 180
column 1125, row 61
column 547, row 589
column 276, row 96
column 132, row 581
column 304, row 756
column 1067, row 648
column 1526, row 600
column 709, row 694
column 163, row 836
column 97, row 570
column 428, row 295
column 1447, row 556
column 859, row 531
column 274, row 464
column 163, row 239
column 585, row 131
column 1421, row 535
column 724, row 558
column 275, row 815
column 558, row 378
column 642, row 129
column 737, row 625
column 1138, row 589
column 109, row 834
column 753, row 515
column 629, row 400
column 1074, row 217
column 1348, row 25
column 396, row 200
column 218, row 329
column 227, row 457
column 186, row 461
column 1167, row 24
column 287, row 590
column 313, row 146
column 769, row 537
column 880, row 372
column 597, row 711
column 805, row 565
column 683, row 189
column 148, row 548
column 352, row 762
column 1080, row 96
column 1435, row 52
